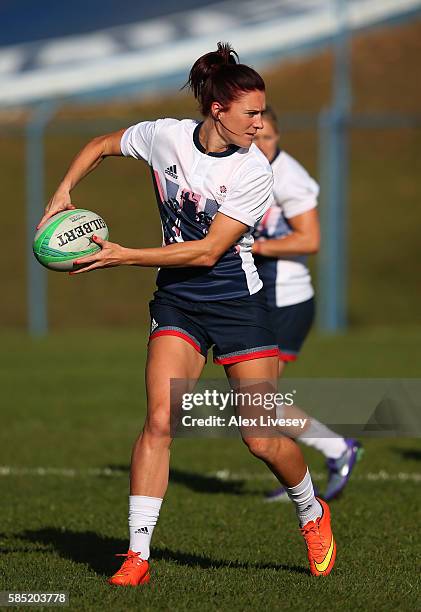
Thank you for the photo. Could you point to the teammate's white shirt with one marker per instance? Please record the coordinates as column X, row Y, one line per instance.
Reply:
column 287, row 281
column 191, row 187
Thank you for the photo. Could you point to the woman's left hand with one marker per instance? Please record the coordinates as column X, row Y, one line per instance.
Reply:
column 257, row 246
column 110, row 255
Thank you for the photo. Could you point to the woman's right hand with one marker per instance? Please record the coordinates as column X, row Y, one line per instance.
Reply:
column 60, row 201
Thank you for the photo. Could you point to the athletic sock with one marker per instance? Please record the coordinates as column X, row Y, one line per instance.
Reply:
column 306, row 505
column 323, row 439
column 143, row 516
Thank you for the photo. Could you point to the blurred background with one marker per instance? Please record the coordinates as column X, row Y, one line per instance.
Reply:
column 344, row 78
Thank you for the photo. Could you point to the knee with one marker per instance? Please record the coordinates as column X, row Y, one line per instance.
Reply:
column 157, row 425
column 259, row 447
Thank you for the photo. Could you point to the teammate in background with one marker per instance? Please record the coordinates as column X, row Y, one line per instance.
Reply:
column 288, row 232
column 213, row 186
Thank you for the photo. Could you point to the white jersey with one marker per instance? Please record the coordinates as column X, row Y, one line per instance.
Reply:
column 191, row 187
column 286, row 280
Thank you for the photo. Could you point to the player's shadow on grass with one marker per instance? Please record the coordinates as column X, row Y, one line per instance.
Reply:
column 98, row 552
column 199, row 483
column 207, row 484
column 413, row 454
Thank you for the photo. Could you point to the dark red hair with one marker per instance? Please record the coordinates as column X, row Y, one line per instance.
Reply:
column 219, row 77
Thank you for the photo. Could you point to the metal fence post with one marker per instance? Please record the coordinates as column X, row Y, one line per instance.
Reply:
column 334, row 165
column 332, row 260
column 35, row 202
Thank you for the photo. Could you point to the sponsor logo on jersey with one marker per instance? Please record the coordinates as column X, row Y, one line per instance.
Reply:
column 172, row 171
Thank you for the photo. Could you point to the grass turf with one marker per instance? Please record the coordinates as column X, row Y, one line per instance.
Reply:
column 75, row 401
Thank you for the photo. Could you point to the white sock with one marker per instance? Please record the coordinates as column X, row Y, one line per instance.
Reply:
column 143, row 516
column 306, row 505
column 320, row 437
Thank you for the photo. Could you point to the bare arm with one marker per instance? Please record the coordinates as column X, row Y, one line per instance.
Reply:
column 303, row 240
column 85, row 161
column 223, row 233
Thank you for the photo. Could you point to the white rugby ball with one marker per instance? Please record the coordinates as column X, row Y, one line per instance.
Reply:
column 66, row 237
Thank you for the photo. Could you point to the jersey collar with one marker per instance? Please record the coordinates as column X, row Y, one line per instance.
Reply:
column 276, row 155
column 231, row 149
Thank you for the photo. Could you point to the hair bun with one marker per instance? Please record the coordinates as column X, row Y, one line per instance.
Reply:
column 227, row 54
column 223, row 56
column 218, row 75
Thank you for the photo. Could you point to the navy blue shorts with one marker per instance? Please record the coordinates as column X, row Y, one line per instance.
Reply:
column 291, row 325
column 238, row 330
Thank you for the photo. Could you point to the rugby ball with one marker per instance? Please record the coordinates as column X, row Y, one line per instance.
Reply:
column 67, row 236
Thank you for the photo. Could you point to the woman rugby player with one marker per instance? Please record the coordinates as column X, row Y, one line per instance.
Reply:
column 288, row 232
column 213, row 186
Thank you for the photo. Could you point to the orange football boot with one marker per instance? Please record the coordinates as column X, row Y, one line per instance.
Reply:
column 321, row 546
column 134, row 571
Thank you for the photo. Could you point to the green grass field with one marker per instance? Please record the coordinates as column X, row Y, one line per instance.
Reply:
column 73, row 404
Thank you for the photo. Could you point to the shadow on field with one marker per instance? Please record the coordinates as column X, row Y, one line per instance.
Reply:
column 206, row 484
column 200, row 483
column 98, row 552
column 412, row 454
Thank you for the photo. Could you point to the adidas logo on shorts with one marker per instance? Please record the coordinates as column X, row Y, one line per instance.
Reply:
column 154, row 325
column 172, row 171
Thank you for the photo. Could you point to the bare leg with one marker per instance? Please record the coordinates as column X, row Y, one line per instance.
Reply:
column 293, row 412
column 168, row 357
column 281, row 454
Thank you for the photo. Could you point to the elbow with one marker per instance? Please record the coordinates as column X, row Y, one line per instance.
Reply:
column 313, row 249
column 208, row 258
column 313, row 246
column 98, row 144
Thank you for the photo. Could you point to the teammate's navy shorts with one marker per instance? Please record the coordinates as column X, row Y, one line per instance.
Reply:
column 291, row 325
column 238, row 330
